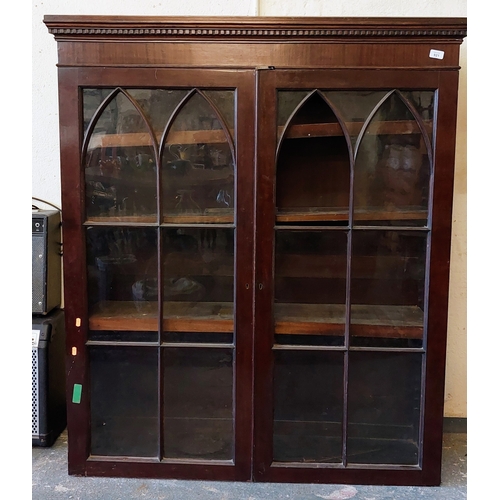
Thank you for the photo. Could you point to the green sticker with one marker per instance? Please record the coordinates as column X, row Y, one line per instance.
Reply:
column 77, row 393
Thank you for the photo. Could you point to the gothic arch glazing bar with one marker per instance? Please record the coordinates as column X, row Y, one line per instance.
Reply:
column 120, row 154
column 198, row 163
column 392, row 166
column 313, row 155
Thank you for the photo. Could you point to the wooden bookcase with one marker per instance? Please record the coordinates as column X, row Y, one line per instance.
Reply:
column 257, row 223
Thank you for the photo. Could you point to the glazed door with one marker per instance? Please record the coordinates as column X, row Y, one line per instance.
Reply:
column 345, row 223
column 161, row 352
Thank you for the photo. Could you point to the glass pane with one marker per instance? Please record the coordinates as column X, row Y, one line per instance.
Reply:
column 121, row 279
column 384, row 408
column 120, row 166
column 392, row 172
column 198, row 167
column 310, row 286
column 308, row 406
column 92, row 99
column 198, row 403
column 387, row 288
column 198, row 274
column 313, row 172
column 288, row 100
column 223, row 100
column 158, row 105
column 124, row 401
column 423, row 102
column 354, row 107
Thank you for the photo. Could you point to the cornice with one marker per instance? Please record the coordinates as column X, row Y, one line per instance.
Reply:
column 253, row 28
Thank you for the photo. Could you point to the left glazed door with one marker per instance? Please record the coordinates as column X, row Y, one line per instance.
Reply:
column 160, row 316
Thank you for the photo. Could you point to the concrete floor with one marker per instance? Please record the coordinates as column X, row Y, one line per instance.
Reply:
column 50, row 481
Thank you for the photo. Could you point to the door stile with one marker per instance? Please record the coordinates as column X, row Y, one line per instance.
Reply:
column 439, row 269
column 74, row 269
column 244, row 274
column 264, row 270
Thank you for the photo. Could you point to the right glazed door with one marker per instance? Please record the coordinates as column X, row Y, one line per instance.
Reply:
column 344, row 232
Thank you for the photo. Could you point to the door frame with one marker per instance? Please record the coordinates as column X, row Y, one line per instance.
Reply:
column 445, row 83
column 71, row 82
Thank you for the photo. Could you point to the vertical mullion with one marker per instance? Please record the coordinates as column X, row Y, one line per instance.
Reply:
column 348, row 309
column 423, row 381
column 347, row 345
column 347, row 339
column 159, row 246
column 159, row 338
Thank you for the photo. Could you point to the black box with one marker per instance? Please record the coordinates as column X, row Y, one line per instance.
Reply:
column 48, row 378
column 46, row 265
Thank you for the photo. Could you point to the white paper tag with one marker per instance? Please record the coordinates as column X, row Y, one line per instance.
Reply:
column 436, row 54
column 35, row 338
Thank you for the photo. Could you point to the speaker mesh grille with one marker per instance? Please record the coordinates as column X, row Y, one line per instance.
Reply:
column 38, row 274
column 34, row 393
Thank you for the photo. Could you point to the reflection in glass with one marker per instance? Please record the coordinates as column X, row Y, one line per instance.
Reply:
column 288, row 101
column 384, row 408
column 124, row 401
column 392, row 172
column 423, row 103
column 121, row 277
column 92, row 99
column 387, row 288
column 120, row 164
column 198, row 166
column 354, row 107
column 310, row 285
column 158, row 105
column 313, row 172
column 308, row 406
column 224, row 102
column 198, row 279
column 198, row 403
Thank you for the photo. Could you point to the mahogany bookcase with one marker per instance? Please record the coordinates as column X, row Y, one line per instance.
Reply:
column 257, row 223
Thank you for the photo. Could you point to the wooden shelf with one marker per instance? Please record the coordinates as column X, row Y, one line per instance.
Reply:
column 211, row 216
column 226, row 216
column 320, row 215
column 387, row 321
column 177, row 316
column 402, row 127
column 312, row 215
column 144, row 139
column 121, row 219
column 366, row 320
column 291, row 319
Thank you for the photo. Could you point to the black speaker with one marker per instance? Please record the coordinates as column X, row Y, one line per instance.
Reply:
column 48, row 378
column 46, row 261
